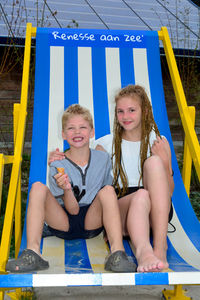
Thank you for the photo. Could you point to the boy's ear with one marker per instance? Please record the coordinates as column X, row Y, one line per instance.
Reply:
column 63, row 135
column 92, row 133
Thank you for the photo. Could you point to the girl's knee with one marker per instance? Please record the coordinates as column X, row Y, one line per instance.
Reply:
column 152, row 163
column 141, row 199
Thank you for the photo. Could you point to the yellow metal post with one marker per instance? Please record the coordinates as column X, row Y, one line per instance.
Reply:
column 187, row 159
column 177, row 294
column 9, row 214
column 18, row 232
column 189, row 130
column 1, row 176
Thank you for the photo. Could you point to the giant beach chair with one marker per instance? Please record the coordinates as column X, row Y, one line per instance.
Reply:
column 89, row 67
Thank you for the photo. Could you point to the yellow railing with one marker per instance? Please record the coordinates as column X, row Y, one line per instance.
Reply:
column 13, row 205
column 188, row 126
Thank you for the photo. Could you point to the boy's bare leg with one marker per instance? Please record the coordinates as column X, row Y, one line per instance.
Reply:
column 43, row 207
column 104, row 211
column 156, row 182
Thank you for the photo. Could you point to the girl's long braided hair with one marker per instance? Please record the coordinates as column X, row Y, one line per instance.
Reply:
column 148, row 124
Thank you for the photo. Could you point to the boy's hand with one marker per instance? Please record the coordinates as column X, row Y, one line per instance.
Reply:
column 55, row 155
column 62, row 179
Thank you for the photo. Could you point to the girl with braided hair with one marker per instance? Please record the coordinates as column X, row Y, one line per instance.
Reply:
column 142, row 176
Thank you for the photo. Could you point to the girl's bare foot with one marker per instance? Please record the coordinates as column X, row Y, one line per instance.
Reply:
column 148, row 262
column 161, row 255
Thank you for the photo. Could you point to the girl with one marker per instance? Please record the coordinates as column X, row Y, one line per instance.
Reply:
column 142, row 176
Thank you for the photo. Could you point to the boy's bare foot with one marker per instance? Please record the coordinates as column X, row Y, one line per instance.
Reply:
column 148, row 262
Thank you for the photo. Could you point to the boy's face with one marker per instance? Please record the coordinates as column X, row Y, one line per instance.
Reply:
column 77, row 132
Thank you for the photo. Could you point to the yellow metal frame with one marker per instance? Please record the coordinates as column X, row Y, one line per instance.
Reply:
column 13, row 207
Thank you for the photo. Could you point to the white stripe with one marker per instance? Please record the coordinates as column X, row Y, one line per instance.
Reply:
column 113, row 79
column 40, row 280
column 184, row 277
column 85, row 86
column 85, row 78
column 118, row 279
column 56, row 99
column 183, row 244
column 141, row 69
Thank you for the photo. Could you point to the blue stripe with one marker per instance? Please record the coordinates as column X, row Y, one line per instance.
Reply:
column 129, row 251
column 100, row 98
column 70, row 79
column 41, row 110
column 40, row 118
column 16, row 280
column 126, row 66
column 176, row 262
column 76, row 257
column 151, row 278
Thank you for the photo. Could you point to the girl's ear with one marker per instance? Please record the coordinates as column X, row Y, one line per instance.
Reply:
column 92, row 133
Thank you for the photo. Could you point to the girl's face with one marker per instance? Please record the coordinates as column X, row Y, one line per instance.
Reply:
column 77, row 132
column 129, row 113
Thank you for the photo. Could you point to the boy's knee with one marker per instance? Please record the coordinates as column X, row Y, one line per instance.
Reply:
column 39, row 187
column 107, row 190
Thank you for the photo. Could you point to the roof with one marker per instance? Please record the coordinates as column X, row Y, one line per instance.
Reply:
column 181, row 17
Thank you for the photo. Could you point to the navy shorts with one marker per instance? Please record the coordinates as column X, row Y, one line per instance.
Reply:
column 76, row 227
column 135, row 189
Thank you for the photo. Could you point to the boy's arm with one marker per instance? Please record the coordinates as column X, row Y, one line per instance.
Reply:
column 69, row 199
column 108, row 179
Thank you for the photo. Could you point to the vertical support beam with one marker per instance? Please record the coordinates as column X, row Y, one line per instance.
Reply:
column 190, row 133
column 187, row 159
column 18, row 232
column 1, row 176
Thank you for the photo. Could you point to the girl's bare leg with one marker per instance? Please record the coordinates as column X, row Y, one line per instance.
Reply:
column 135, row 210
column 156, row 182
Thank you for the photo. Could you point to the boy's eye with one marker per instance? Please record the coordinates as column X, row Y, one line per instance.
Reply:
column 132, row 110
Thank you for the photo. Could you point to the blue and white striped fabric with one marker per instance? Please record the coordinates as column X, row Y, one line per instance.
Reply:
column 89, row 67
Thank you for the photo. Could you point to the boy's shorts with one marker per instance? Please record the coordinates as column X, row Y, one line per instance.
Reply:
column 76, row 226
column 135, row 189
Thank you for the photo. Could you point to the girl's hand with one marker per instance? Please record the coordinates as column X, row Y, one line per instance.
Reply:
column 63, row 181
column 55, row 155
column 161, row 148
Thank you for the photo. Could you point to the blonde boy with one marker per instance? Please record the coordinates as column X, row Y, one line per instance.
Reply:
column 80, row 201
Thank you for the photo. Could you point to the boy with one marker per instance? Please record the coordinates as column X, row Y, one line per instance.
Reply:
column 84, row 188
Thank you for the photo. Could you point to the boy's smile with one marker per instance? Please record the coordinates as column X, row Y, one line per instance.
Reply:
column 77, row 132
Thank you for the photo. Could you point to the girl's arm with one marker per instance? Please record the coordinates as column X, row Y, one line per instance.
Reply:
column 55, row 155
column 161, row 148
column 99, row 147
column 69, row 199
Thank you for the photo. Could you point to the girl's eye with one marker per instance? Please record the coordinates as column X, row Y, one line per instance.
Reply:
column 119, row 111
column 132, row 110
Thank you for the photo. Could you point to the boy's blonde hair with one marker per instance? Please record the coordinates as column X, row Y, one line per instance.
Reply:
column 148, row 125
column 74, row 110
